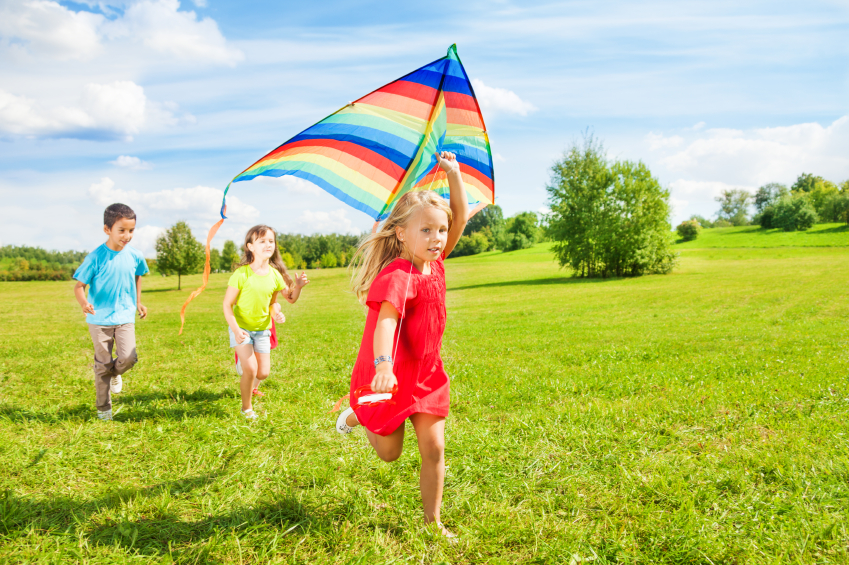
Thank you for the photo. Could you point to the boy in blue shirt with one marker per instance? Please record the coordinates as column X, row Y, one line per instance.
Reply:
column 114, row 272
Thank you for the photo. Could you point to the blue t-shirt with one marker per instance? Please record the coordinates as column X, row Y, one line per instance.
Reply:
column 111, row 276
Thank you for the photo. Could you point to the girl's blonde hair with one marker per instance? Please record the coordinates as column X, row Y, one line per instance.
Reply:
column 380, row 248
column 275, row 261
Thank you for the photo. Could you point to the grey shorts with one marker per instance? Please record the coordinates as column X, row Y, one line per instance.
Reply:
column 261, row 340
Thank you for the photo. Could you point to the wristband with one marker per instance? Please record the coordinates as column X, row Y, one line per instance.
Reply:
column 383, row 358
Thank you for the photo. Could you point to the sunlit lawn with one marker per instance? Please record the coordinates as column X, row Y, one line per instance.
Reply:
column 699, row 417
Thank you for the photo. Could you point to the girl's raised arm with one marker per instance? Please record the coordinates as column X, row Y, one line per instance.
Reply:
column 459, row 205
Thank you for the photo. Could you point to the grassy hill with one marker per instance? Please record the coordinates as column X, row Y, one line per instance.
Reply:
column 698, row 417
column 821, row 235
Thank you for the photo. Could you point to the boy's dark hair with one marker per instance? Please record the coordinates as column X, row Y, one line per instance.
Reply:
column 115, row 212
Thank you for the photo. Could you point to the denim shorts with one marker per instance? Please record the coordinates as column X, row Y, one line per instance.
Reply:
column 261, row 340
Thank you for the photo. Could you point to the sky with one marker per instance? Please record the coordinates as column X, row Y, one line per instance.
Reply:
column 160, row 103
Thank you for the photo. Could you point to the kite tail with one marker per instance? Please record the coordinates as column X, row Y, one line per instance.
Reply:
column 206, row 267
column 339, row 403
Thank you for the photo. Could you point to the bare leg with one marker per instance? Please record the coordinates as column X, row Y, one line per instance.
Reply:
column 430, row 431
column 249, row 371
column 389, row 447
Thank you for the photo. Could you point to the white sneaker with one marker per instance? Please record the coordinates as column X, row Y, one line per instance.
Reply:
column 104, row 414
column 341, row 422
column 250, row 414
column 238, row 368
column 116, row 384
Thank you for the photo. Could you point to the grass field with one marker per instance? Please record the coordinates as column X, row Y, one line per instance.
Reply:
column 821, row 235
column 697, row 417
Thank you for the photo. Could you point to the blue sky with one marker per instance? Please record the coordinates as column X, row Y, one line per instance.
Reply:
column 159, row 103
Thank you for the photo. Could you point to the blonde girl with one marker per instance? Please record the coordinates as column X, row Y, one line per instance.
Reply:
column 250, row 303
column 400, row 278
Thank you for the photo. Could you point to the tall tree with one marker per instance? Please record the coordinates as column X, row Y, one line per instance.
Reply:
column 608, row 219
column 177, row 251
column 491, row 217
column 805, row 183
column 768, row 194
column 229, row 256
column 734, row 206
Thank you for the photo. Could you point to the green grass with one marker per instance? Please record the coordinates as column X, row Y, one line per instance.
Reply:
column 698, row 417
column 821, row 235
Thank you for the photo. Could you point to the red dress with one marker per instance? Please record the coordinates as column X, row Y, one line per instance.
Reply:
column 422, row 381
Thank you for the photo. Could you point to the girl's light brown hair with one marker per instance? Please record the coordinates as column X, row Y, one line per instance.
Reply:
column 275, row 261
column 382, row 247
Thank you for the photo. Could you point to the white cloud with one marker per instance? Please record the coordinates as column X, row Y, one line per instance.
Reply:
column 49, row 29
column 117, row 109
column 132, row 163
column 498, row 158
column 755, row 157
column 200, row 202
column 500, row 100
column 290, row 183
column 144, row 239
column 162, row 27
column 42, row 28
column 699, row 126
column 658, row 141
column 328, row 222
column 702, row 189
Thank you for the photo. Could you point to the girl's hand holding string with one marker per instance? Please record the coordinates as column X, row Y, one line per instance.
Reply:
column 447, row 162
column 384, row 379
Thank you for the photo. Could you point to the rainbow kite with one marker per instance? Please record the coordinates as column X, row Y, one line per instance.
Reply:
column 375, row 149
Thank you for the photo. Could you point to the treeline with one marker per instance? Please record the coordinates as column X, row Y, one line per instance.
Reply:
column 489, row 230
column 808, row 201
column 24, row 263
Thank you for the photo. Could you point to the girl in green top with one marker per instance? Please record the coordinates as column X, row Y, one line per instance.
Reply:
column 250, row 304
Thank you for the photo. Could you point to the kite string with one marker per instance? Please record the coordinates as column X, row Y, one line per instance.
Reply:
column 410, row 274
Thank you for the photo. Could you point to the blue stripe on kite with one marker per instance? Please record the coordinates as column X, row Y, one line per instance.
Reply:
column 320, row 182
column 471, row 156
column 427, row 78
column 454, row 84
column 454, row 69
column 398, row 150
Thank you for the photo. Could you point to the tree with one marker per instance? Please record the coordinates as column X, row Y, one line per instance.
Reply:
column 229, row 256
column 794, row 213
column 805, row 182
column 733, row 206
column 214, row 259
column 491, row 217
column 768, row 194
column 328, row 260
column 177, row 251
column 608, row 218
column 525, row 223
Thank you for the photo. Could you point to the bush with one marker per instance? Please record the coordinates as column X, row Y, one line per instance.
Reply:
column 689, row 230
column 471, row 245
column 794, row 213
column 836, row 208
column 722, row 224
column 704, row 222
column 765, row 217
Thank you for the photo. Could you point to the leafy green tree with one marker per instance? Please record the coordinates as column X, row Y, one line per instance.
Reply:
column 491, row 217
column 525, row 223
column 768, row 194
column 471, row 245
column 805, row 182
column 836, row 208
column 229, row 256
column 178, row 252
column 608, row 218
column 214, row 259
column 794, row 213
column 733, row 206
column 328, row 260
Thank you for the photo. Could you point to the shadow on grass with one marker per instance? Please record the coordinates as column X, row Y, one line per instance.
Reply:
column 160, row 533
column 535, row 282
column 132, row 408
